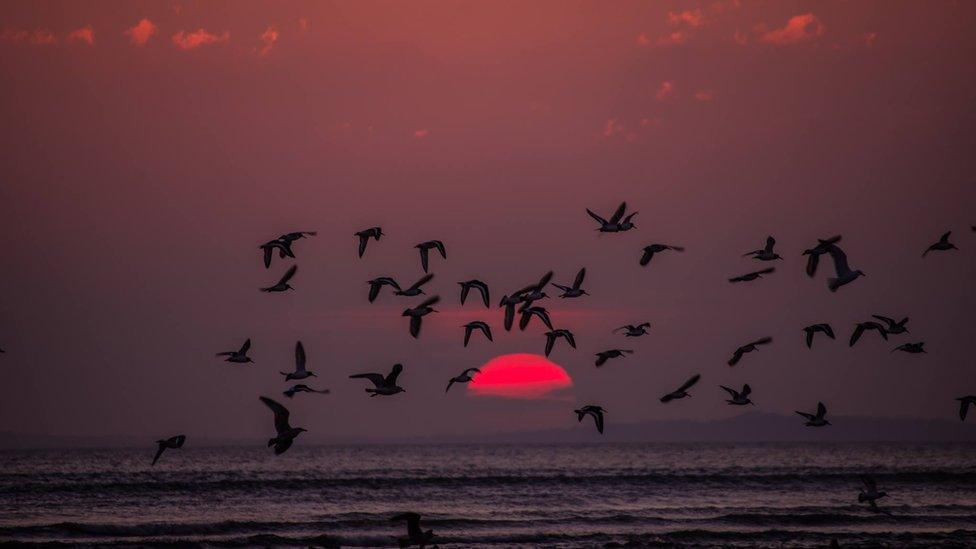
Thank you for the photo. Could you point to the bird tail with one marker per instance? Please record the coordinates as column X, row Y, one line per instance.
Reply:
column 271, row 442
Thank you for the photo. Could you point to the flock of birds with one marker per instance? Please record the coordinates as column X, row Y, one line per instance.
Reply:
column 524, row 303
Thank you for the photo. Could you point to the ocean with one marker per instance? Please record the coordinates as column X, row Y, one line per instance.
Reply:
column 559, row 496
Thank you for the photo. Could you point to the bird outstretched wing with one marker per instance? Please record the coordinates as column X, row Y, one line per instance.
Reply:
column 280, row 414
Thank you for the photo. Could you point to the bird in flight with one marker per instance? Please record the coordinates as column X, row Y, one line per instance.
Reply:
column 171, row 442
column 553, row 335
column 748, row 277
column 302, row 388
column 482, row 288
column 384, row 385
column 765, row 254
column 529, row 312
column 425, row 247
column 282, row 284
column 634, row 331
column 649, row 251
column 417, row 287
column 869, row 325
column 417, row 313
column 682, row 392
column 293, row 236
column 942, row 245
column 268, row 248
column 603, row 356
column 463, row 377
column 815, row 420
column 285, row 433
column 574, row 290
column 817, row 251
column 300, row 371
column 476, row 325
column 617, row 223
column 415, row 534
column 870, row 493
column 738, row 398
column 964, row 403
column 911, row 348
column 239, row 356
column 814, row 328
column 748, row 348
column 591, row 410
column 376, row 284
column 364, row 236
column 893, row 327
column 845, row 275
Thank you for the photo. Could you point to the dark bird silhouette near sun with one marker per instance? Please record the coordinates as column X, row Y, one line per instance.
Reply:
column 168, row 443
column 383, row 385
column 596, row 412
column 239, row 356
column 286, row 434
column 373, row 232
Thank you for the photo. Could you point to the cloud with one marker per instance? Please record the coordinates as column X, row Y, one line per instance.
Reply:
column 740, row 38
column 692, row 18
column 177, row 9
column 612, row 127
column 674, row 39
column 869, row 38
column 141, row 32
column 84, row 34
column 800, row 28
column 268, row 38
column 14, row 35
column 303, row 23
column 421, row 133
column 200, row 37
column 704, row 95
column 664, row 90
column 643, row 40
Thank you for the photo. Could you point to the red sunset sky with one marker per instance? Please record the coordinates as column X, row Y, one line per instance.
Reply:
column 149, row 147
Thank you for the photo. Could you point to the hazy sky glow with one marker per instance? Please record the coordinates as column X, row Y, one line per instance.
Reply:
column 150, row 147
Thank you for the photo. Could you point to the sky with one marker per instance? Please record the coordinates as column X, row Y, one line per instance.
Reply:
column 148, row 148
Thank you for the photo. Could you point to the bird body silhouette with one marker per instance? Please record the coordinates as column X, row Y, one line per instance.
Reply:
column 364, row 236
column 482, row 288
column 286, row 434
column 682, row 392
column 617, row 223
column 300, row 371
column 911, row 348
column 425, row 248
column 814, row 328
column 817, row 251
column 476, row 325
column 384, row 385
column 575, row 290
column 943, row 245
column 964, row 403
column 861, row 327
column 282, row 284
column 302, row 388
column 748, row 277
column 631, row 330
column 647, row 253
column 817, row 419
column 748, row 348
column 239, row 356
column 376, row 284
column 845, row 275
column 738, row 398
column 417, row 287
column 417, row 313
column 463, row 377
column 603, row 356
column 595, row 411
column 766, row 253
column 171, row 442
column 553, row 335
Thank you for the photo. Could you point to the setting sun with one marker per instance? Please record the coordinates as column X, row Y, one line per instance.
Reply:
column 521, row 375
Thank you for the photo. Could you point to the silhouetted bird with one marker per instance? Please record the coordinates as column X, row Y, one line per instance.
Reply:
column 418, row 312
column 529, row 312
column 463, row 377
column 476, row 325
column 482, row 288
column 649, row 251
column 552, row 336
column 384, row 385
column 603, row 356
column 815, row 420
column 416, row 288
column 365, row 235
column 682, row 392
column 282, row 284
column 239, row 356
column 268, row 248
column 634, row 331
column 415, row 534
column 869, row 325
column 942, row 245
column 302, row 388
column 509, row 303
column 377, row 284
column 286, row 433
column 300, row 371
column 964, row 403
column 425, row 247
column 912, row 348
column 814, row 328
column 738, row 398
column 591, row 410
column 752, row 276
column 748, row 348
column 845, row 275
column 614, row 224
column 534, row 292
column 767, row 253
column 171, row 442
column 574, row 290
column 892, row 326
column 291, row 237
column 817, row 251
column 870, row 493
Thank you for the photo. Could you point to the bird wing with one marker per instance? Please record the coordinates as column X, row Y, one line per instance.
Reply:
column 429, row 302
column 736, row 357
column 766, row 271
column 840, row 259
column 809, row 338
column 159, row 451
column 423, row 258
column 440, row 248
column 423, row 280
column 646, row 257
column 509, row 316
column 821, row 410
column 280, row 414
column 598, row 219
column 469, row 370
column 963, row 409
column 449, row 383
column 812, row 261
column 483, row 289
column 467, row 334
column 601, row 358
column 570, row 338
column 377, row 379
column 245, row 347
column 945, row 237
column 770, row 242
column 391, row 379
column 676, row 248
column 732, row 392
column 869, row 483
column 762, row 341
column 487, row 331
column 667, row 398
column 628, row 327
column 374, row 290
column 828, row 330
column 267, row 256
column 544, row 315
column 363, row 239
column 415, row 326
column 598, row 418
column 617, row 215
column 688, row 384
column 464, row 292
column 299, row 357
column 550, row 342
column 856, row 335
column 806, row 415
column 579, row 278
column 288, row 274
column 746, row 390
column 525, row 318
